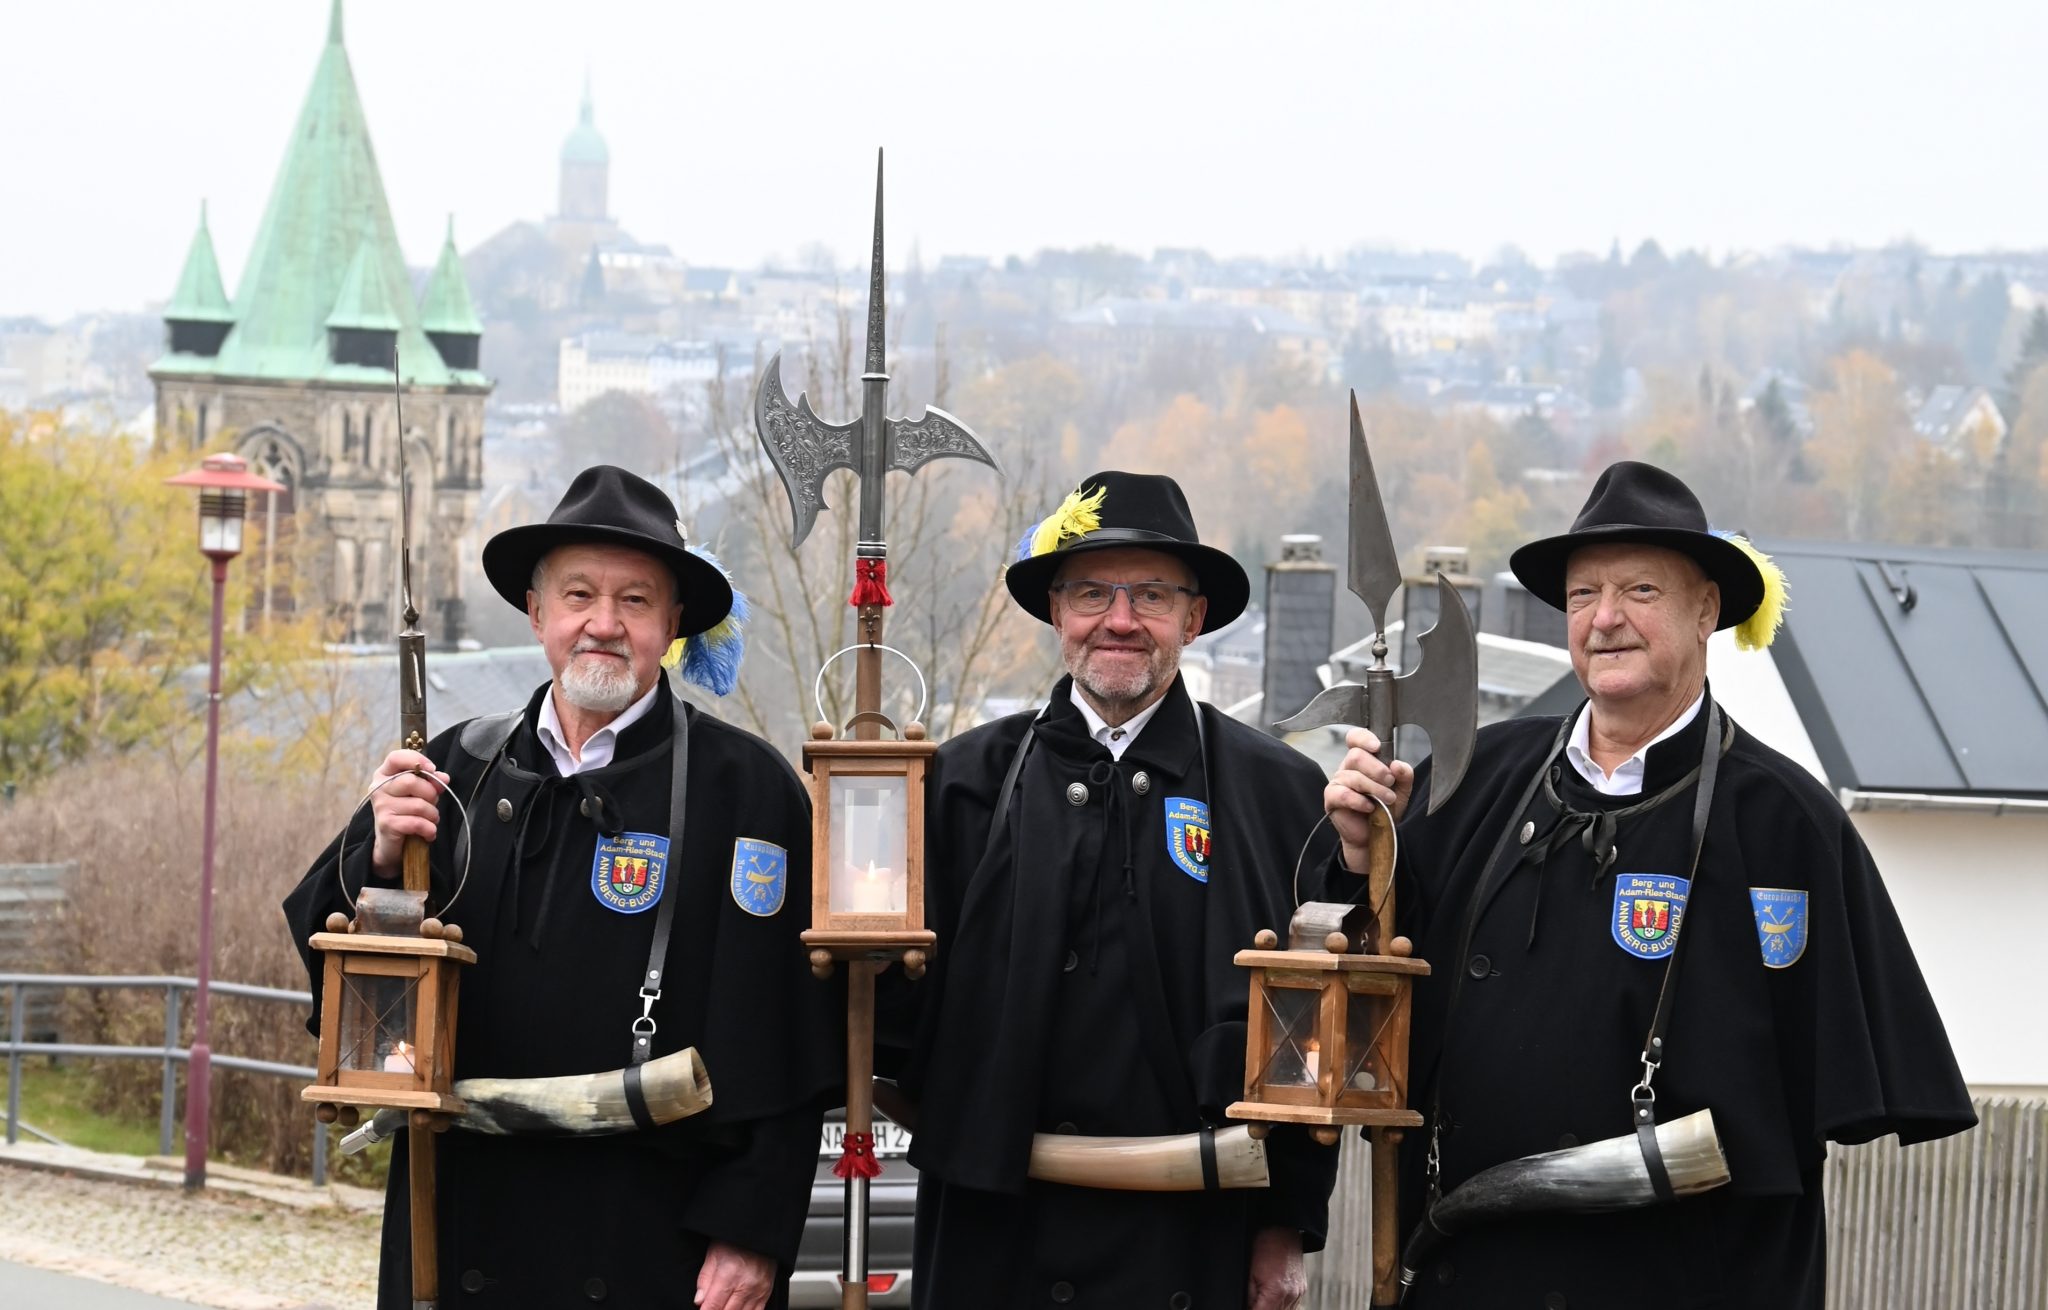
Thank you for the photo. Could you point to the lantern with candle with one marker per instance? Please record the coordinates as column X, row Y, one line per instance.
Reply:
column 1328, row 1033
column 867, row 843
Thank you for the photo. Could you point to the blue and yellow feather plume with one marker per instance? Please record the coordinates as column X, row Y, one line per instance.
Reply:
column 1077, row 516
column 1756, row 631
column 711, row 659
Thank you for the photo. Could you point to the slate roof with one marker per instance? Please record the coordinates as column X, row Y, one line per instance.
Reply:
column 1919, row 670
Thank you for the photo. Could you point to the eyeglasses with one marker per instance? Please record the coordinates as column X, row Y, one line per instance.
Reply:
column 1152, row 600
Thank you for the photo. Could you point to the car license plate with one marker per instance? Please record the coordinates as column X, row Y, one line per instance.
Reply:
column 892, row 1141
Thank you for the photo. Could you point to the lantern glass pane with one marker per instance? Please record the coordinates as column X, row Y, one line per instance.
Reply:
column 1293, row 1058
column 377, row 1023
column 869, row 845
column 1365, row 1027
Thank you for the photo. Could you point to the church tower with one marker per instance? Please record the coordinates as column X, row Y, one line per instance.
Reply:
column 586, row 169
column 296, row 370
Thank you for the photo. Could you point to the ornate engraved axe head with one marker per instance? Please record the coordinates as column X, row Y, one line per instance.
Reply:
column 1440, row 694
column 805, row 449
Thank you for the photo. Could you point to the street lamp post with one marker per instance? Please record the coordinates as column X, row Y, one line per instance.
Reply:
column 224, row 484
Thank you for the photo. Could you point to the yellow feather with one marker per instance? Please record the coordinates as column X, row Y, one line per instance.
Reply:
column 674, row 656
column 1756, row 631
column 1077, row 516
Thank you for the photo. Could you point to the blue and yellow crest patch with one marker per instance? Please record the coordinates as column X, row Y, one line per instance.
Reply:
column 1780, row 924
column 760, row 875
column 1188, row 836
column 1647, row 910
column 629, row 871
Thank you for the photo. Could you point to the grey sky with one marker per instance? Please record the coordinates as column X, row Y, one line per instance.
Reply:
column 740, row 131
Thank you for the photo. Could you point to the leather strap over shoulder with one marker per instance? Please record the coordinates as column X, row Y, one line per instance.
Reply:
column 484, row 737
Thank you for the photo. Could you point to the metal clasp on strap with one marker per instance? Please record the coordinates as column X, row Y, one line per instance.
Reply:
column 643, row 1027
column 1433, row 1167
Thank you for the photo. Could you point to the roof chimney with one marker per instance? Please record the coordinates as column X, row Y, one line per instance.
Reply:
column 1301, row 617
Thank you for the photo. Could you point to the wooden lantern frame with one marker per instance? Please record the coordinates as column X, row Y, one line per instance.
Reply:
column 430, row 966
column 1339, row 982
column 866, row 935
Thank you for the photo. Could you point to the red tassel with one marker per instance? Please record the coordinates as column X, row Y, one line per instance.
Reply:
column 857, row 1158
column 870, row 583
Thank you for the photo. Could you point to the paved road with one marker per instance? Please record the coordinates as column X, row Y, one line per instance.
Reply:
column 23, row 1288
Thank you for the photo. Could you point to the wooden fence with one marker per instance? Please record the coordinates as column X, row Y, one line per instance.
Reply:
column 1958, row 1224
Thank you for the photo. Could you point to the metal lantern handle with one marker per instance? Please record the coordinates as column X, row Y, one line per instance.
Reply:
column 1392, row 827
column 468, row 846
column 818, row 685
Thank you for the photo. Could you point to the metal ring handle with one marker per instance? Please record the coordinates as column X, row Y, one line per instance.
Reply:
column 818, row 685
column 1392, row 827
column 468, row 846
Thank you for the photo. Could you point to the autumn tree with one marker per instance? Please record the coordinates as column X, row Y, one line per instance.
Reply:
column 1861, row 436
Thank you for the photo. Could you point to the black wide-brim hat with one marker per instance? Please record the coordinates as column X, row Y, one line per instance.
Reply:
column 1144, row 511
column 608, row 506
column 1641, row 503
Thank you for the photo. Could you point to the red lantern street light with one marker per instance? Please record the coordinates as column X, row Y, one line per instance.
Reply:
column 224, row 484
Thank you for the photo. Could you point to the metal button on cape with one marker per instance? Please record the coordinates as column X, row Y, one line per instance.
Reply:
column 583, row 807
column 1062, row 1293
column 1141, row 782
column 473, row 1280
column 1528, row 831
column 1077, row 793
column 505, row 809
column 1071, row 963
column 1479, row 966
column 594, row 1288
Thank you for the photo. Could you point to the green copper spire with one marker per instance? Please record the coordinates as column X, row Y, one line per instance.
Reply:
column 585, row 145
column 364, row 301
column 200, row 297
column 446, row 306
column 327, row 247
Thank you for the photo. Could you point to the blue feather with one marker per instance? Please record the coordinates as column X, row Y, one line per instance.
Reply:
column 1023, row 551
column 711, row 659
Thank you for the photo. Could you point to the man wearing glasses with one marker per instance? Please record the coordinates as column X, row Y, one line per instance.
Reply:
column 1092, row 868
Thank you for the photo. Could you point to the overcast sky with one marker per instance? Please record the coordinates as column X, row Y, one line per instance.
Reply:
column 742, row 130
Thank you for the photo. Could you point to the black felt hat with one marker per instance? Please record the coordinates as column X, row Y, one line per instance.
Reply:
column 1635, row 502
column 1110, row 510
column 609, row 506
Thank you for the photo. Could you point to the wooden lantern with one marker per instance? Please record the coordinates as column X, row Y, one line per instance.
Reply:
column 867, row 848
column 1328, row 1039
column 387, row 1008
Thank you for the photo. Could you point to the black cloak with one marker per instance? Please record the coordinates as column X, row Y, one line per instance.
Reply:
column 1084, row 983
column 1818, row 1029
column 533, row 1222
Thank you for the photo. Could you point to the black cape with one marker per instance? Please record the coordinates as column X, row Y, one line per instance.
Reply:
column 1791, row 1046
column 550, row 1222
column 1084, row 983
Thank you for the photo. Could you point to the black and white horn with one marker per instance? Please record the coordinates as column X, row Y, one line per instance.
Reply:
column 1589, row 1179
column 591, row 1105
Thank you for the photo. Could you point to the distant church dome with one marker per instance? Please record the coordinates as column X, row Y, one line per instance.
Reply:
column 586, row 145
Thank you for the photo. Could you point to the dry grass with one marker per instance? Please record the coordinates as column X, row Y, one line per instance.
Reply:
column 133, row 826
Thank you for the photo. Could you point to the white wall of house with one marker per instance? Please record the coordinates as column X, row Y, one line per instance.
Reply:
column 1971, row 890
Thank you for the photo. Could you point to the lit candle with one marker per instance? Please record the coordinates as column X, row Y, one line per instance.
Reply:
column 1312, row 1060
column 400, row 1058
column 873, row 890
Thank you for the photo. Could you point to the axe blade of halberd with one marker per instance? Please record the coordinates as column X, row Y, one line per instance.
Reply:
column 804, row 448
column 1439, row 695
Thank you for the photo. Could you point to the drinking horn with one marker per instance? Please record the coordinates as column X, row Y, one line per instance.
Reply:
column 591, row 1105
column 1590, row 1179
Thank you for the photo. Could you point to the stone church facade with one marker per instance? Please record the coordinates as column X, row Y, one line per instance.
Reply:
column 296, row 373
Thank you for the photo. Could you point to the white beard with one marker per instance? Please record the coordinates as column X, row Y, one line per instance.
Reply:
column 598, row 687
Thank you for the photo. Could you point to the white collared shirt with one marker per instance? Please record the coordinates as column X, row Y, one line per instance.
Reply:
column 1627, row 778
column 597, row 752
column 1119, row 738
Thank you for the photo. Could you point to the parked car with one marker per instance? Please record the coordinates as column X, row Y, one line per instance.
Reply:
column 892, row 1205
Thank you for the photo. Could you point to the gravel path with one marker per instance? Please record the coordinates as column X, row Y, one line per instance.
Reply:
column 218, row 1249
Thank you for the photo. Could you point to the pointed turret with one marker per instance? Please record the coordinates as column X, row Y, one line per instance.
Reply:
column 363, row 326
column 446, row 312
column 199, row 315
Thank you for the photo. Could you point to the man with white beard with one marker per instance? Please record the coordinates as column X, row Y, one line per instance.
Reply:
column 588, row 959
column 1088, row 907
